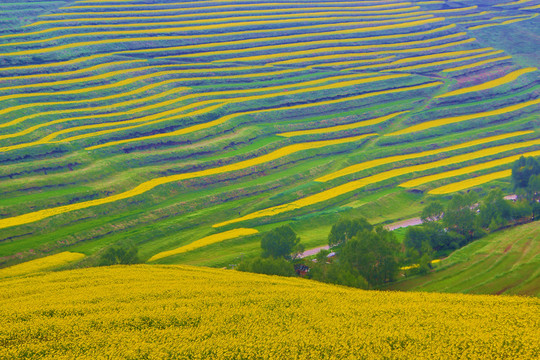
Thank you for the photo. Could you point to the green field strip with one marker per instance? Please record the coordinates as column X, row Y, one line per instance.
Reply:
column 477, row 64
column 368, row 180
column 25, row 199
column 214, row 106
column 511, row 21
column 149, row 185
column 303, row 53
column 214, row 6
column 142, row 78
column 473, row 168
column 183, row 37
column 397, row 158
column 342, row 127
column 454, row 119
column 216, row 23
column 108, row 107
column 469, row 183
column 226, row 118
column 508, row 78
column 274, row 6
column 445, row 62
column 220, row 14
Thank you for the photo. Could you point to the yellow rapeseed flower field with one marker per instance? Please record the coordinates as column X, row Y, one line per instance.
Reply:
column 182, row 312
column 476, row 64
column 205, row 241
column 454, row 119
column 469, row 183
column 508, row 78
column 469, row 169
column 41, row 264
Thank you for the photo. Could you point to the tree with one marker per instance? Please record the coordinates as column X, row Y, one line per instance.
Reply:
column 268, row 266
column 374, row 254
column 345, row 229
column 121, row 253
column 523, row 169
column 460, row 216
column 495, row 211
column 432, row 212
column 281, row 242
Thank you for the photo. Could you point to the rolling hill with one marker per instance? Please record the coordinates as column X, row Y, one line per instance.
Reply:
column 505, row 262
column 180, row 124
column 184, row 312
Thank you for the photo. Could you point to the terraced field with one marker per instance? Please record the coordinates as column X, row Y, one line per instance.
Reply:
column 502, row 263
column 189, row 127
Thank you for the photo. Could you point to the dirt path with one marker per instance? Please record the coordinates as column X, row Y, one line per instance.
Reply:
column 393, row 226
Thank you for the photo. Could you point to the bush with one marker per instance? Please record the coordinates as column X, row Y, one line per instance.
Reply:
column 268, row 266
column 121, row 253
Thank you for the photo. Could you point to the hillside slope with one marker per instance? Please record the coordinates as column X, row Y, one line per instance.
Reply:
column 181, row 312
column 505, row 262
column 168, row 122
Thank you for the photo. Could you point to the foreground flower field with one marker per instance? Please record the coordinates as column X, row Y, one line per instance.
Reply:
column 181, row 312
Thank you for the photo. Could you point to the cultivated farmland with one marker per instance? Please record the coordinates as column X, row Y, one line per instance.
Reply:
column 190, row 127
column 184, row 312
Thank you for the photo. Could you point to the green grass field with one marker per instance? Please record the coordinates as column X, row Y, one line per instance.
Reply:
column 168, row 122
column 505, row 262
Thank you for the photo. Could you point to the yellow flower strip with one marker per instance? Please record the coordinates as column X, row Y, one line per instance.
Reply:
column 309, row 43
column 454, row 119
column 69, row 73
column 431, row 56
column 147, row 120
column 205, row 241
column 479, row 63
column 502, row 23
column 231, row 116
column 393, row 159
column 149, row 185
column 49, row 138
column 206, row 27
column 219, row 14
column 358, row 184
column 129, row 102
column 218, row 23
column 445, row 62
column 84, row 79
column 490, row 84
column 470, row 169
column 469, row 183
column 333, row 57
column 303, row 53
column 533, row 7
column 147, row 5
column 41, row 264
column 446, row 11
column 514, row 3
column 342, row 127
column 358, row 8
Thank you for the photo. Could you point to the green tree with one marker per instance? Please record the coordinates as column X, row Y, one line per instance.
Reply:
column 495, row 211
column 281, row 242
column 432, row 212
column 460, row 215
column 523, row 169
column 120, row 253
column 374, row 254
column 268, row 266
column 345, row 229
